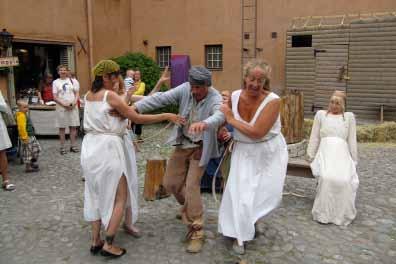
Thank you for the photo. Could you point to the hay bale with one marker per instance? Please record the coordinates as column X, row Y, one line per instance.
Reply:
column 365, row 133
column 385, row 132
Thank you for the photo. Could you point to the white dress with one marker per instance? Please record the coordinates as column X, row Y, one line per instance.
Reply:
column 333, row 148
column 257, row 174
column 106, row 154
column 5, row 142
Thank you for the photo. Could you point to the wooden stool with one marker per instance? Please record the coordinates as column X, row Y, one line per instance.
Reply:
column 153, row 188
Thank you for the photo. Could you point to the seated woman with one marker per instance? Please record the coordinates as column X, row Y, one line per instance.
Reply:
column 259, row 156
column 333, row 149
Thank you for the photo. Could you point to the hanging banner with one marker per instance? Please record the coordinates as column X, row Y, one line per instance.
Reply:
column 9, row 62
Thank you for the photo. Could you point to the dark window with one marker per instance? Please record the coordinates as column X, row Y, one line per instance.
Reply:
column 302, row 41
column 163, row 56
column 214, row 57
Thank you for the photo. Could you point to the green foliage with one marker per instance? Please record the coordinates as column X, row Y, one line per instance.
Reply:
column 149, row 69
column 150, row 73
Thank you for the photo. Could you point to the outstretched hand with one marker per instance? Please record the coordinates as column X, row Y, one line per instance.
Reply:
column 198, row 127
column 176, row 119
column 164, row 77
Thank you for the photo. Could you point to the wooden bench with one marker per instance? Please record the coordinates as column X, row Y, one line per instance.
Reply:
column 299, row 168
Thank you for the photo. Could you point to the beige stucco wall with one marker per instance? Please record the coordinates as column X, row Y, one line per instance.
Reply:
column 111, row 28
column 54, row 21
column 64, row 21
column 122, row 25
column 188, row 26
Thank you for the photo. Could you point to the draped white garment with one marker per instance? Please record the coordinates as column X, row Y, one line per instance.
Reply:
column 106, row 154
column 5, row 142
column 255, row 183
column 333, row 148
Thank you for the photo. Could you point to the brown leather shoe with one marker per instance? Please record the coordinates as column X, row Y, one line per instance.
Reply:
column 195, row 245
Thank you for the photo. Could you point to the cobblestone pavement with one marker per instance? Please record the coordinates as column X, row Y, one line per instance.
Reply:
column 42, row 221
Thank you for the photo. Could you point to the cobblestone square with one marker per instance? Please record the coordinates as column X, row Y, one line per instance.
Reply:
column 42, row 221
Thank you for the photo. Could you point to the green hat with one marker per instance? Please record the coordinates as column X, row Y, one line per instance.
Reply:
column 105, row 67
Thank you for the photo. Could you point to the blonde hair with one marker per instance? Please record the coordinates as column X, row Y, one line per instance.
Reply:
column 340, row 96
column 22, row 102
column 121, row 86
column 263, row 65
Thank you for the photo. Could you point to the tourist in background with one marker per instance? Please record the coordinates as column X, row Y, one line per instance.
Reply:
column 66, row 94
column 45, row 89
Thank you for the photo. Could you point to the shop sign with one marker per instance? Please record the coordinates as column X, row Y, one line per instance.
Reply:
column 9, row 62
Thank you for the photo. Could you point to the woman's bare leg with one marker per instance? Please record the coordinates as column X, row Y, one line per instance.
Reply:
column 96, row 241
column 115, row 220
column 4, row 165
column 128, row 220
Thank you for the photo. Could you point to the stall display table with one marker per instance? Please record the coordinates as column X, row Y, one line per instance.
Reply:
column 43, row 118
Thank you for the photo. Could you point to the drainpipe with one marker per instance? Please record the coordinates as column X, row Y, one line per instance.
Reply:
column 11, row 82
column 90, row 37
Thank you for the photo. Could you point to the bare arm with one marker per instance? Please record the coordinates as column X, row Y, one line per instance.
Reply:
column 263, row 124
column 161, row 81
column 120, row 106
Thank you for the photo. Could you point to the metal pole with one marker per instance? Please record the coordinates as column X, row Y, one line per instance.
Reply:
column 11, row 82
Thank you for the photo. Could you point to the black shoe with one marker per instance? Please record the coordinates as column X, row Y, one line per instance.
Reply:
column 34, row 165
column 96, row 249
column 107, row 254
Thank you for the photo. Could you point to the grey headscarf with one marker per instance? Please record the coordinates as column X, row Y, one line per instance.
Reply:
column 199, row 75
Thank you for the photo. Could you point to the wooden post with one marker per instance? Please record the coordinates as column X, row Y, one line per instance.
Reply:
column 292, row 116
column 382, row 113
column 155, row 171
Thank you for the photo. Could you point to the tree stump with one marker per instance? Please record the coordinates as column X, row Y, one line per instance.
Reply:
column 153, row 188
column 292, row 116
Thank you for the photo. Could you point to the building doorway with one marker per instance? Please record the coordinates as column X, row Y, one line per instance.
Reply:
column 35, row 61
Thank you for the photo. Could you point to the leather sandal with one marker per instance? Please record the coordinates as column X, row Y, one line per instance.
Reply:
column 74, row 149
column 110, row 255
column 96, row 249
column 62, row 151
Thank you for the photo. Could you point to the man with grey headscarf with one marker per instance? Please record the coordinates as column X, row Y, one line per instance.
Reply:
column 195, row 144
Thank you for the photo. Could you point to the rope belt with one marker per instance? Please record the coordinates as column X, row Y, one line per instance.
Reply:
column 93, row 132
column 260, row 141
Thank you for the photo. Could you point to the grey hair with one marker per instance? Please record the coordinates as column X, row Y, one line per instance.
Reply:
column 263, row 65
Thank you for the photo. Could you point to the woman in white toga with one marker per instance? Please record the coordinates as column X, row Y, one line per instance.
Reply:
column 107, row 158
column 259, row 158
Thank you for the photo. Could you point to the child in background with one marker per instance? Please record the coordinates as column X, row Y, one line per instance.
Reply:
column 31, row 147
